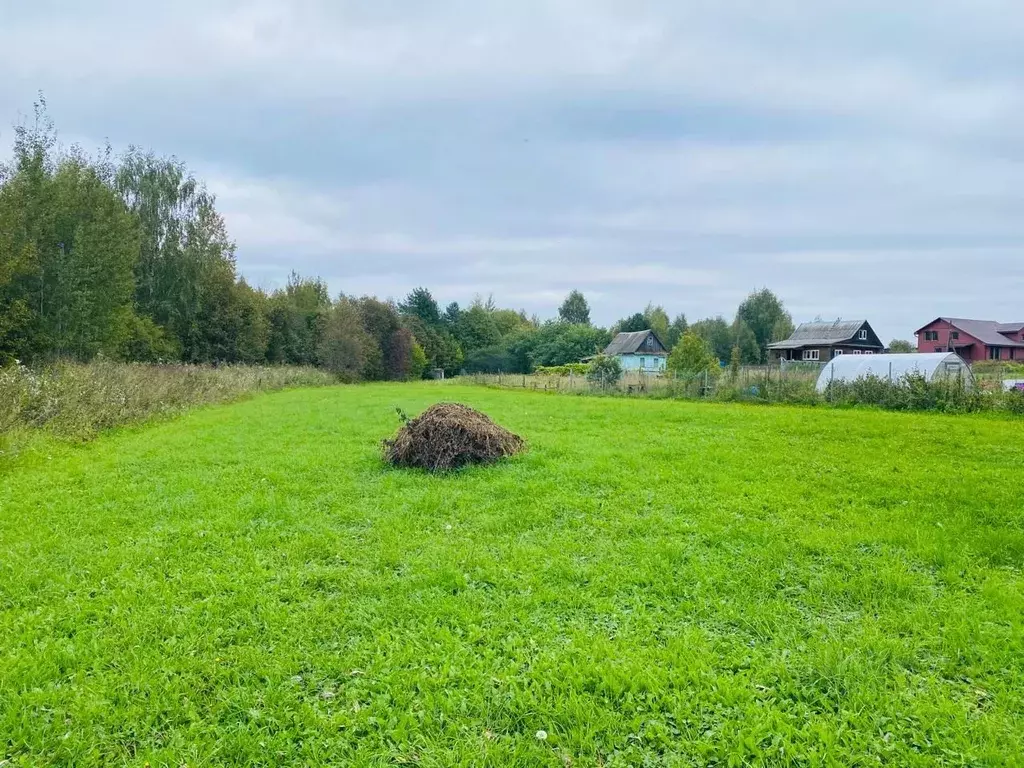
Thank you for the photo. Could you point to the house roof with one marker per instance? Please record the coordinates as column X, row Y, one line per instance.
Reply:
column 823, row 334
column 629, row 343
column 985, row 331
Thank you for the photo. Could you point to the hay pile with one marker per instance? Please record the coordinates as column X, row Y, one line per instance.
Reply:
column 448, row 436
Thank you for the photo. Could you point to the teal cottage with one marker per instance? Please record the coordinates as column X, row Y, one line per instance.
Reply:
column 639, row 351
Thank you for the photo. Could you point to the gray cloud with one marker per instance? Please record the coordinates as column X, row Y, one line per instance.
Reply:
column 860, row 159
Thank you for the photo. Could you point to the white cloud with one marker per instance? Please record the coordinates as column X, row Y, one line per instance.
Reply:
column 848, row 154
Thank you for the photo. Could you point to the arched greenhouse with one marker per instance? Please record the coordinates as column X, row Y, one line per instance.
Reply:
column 938, row 366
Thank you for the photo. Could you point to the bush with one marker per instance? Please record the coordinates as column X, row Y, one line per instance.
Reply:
column 909, row 393
column 604, row 370
column 692, row 356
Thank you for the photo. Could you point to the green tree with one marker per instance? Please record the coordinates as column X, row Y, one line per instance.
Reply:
column 87, row 306
column 496, row 359
column 676, row 330
column 297, row 315
column 767, row 317
column 899, row 346
column 439, row 346
column 418, row 361
column 509, row 321
column 558, row 343
column 632, row 323
column 67, row 251
column 476, row 328
column 692, row 356
column 718, row 335
column 344, row 343
column 400, row 359
column 574, row 309
column 745, row 341
column 451, row 316
column 519, row 348
column 657, row 321
column 383, row 359
column 420, row 303
column 735, row 363
column 184, row 248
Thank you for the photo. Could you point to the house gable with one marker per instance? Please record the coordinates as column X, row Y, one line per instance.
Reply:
column 872, row 339
column 651, row 346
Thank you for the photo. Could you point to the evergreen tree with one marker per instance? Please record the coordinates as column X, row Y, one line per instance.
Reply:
column 452, row 313
column 419, row 303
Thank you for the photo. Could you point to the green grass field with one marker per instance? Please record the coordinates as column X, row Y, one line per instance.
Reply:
column 653, row 583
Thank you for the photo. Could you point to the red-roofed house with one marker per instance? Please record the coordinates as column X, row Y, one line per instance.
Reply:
column 973, row 340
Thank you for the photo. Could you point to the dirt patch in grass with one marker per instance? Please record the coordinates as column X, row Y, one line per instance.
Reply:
column 448, row 436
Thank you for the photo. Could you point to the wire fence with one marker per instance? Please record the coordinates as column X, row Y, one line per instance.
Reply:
column 749, row 382
column 792, row 383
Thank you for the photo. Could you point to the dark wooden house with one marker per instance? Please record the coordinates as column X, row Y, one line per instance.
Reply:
column 820, row 342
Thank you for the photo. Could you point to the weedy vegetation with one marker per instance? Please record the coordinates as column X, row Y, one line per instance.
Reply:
column 78, row 400
column 653, row 583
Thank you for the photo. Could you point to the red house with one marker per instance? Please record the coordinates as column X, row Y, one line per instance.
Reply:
column 973, row 340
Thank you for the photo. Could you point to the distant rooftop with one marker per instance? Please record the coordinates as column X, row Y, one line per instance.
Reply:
column 821, row 333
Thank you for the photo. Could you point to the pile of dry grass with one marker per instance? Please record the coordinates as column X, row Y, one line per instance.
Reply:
column 447, row 436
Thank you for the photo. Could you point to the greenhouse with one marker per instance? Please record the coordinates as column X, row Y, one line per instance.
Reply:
column 939, row 366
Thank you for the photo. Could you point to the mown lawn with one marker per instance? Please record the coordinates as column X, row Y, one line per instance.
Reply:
column 654, row 583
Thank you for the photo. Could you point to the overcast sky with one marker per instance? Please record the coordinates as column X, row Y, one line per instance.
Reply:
column 862, row 158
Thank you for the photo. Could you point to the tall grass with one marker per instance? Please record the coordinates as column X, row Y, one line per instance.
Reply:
column 77, row 400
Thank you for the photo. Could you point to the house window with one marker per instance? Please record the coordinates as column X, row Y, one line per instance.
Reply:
column 954, row 335
column 939, row 349
column 869, row 352
column 643, row 362
column 863, row 335
column 836, row 352
column 994, row 353
column 812, row 354
column 931, row 335
column 857, row 352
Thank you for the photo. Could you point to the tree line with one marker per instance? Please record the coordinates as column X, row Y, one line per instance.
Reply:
column 128, row 257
